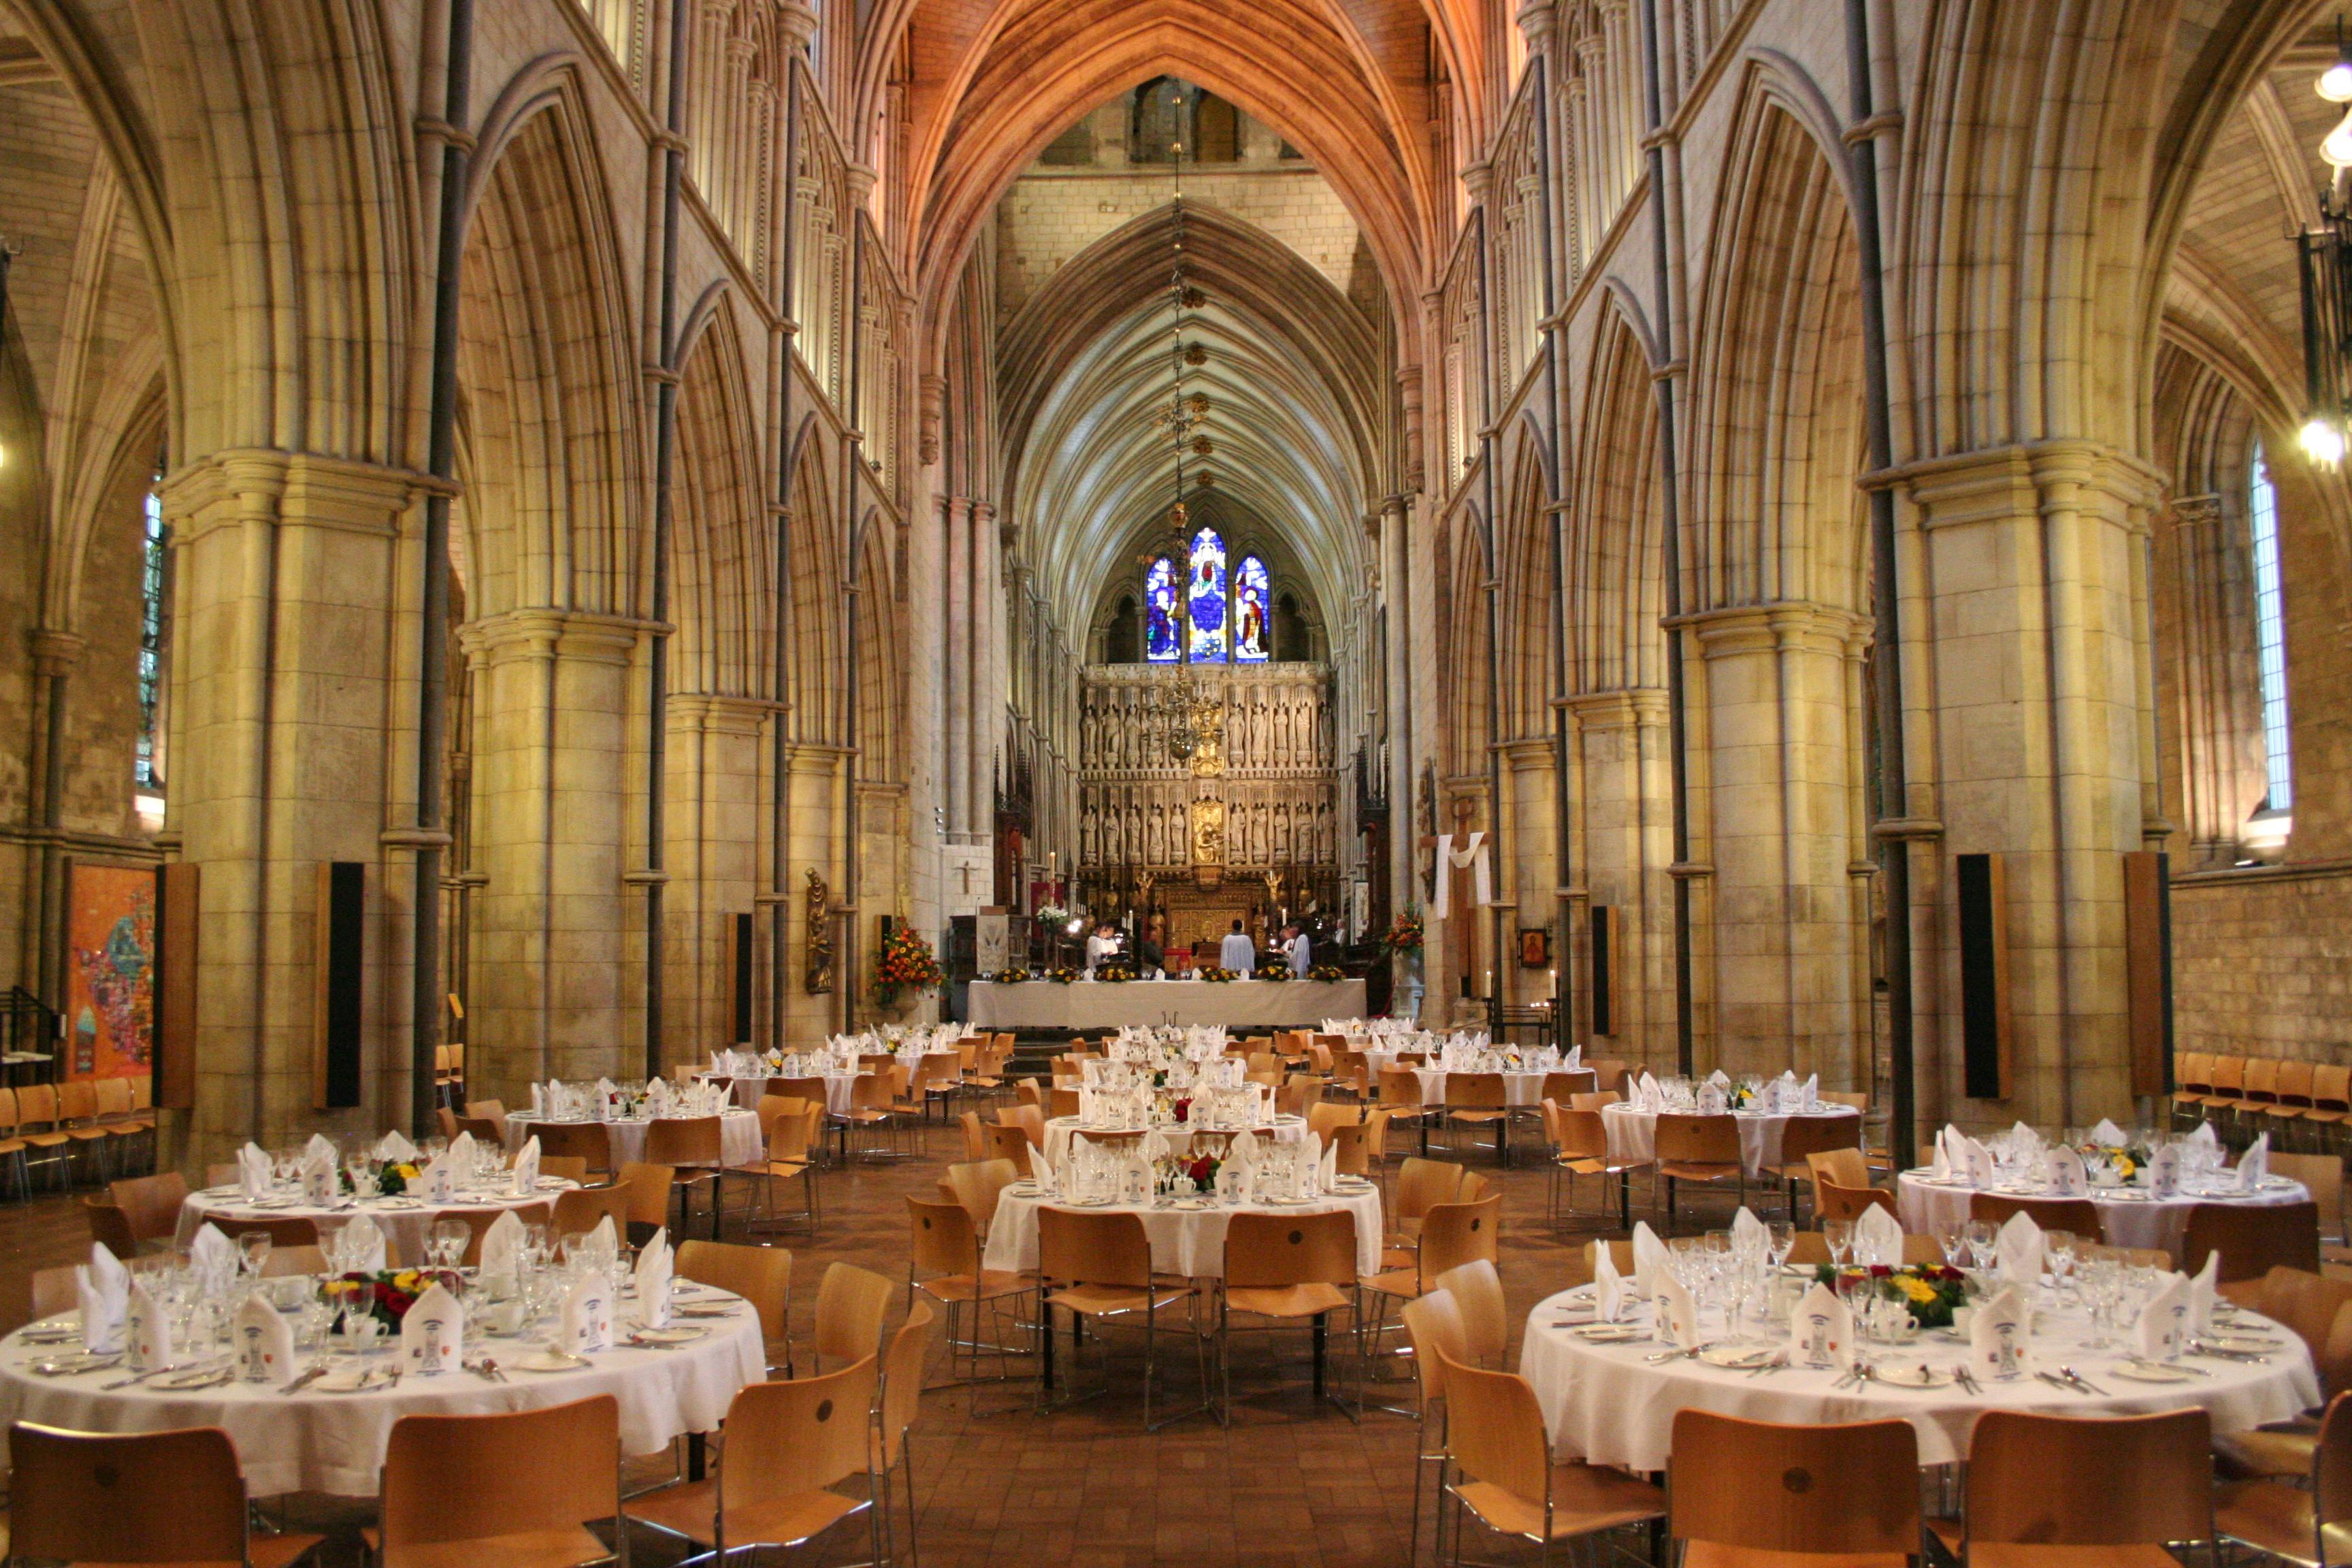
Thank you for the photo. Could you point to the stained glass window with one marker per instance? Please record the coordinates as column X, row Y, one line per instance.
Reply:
column 1205, row 597
column 2270, row 637
column 151, row 638
column 1160, row 643
column 1253, row 611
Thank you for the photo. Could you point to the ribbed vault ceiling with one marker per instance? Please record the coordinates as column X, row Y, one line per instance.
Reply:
column 1293, row 377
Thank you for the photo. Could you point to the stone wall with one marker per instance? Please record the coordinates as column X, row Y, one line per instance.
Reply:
column 2262, row 962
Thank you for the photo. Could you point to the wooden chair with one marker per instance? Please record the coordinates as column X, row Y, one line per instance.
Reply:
column 2041, row 1488
column 565, row 1167
column 1298, row 1095
column 2331, row 1101
column 1475, row 1099
column 2307, row 1519
column 761, row 1275
column 2286, row 1112
column 478, row 1221
column 1097, row 1269
column 1478, row 1292
column 900, row 1402
column 1504, row 1476
column 692, row 1147
column 78, row 1120
column 851, row 1303
column 1739, row 1489
column 2252, row 1238
column 1287, row 1269
column 578, row 1141
column 1062, row 1102
column 944, row 1263
column 283, row 1230
column 975, row 1136
column 122, row 1125
column 1420, row 1186
column 491, row 1111
column 2319, row 1312
column 1432, row 1324
column 1802, row 1137
column 1011, row 1142
column 1845, row 1167
column 1400, row 1098
column 2226, row 1080
column 1702, row 1149
column 2079, row 1216
column 1831, row 1201
column 150, row 1205
column 648, row 1188
column 454, row 1492
column 578, row 1210
column 978, row 1184
column 484, row 1130
column 1029, row 1118
column 1580, row 1145
column 1565, row 1084
column 788, row 1445
column 2322, row 1176
column 2193, row 1080
column 152, row 1497
column 40, row 1128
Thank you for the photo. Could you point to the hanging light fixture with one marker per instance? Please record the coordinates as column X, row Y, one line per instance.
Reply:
column 2323, row 253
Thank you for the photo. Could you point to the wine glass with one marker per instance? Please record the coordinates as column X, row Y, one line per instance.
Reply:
column 2058, row 1255
column 1782, row 1237
column 1838, row 1235
column 253, row 1252
column 449, row 1240
column 1983, row 1242
column 1951, row 1236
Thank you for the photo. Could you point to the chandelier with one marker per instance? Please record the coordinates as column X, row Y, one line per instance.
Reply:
column 1182, row 420
column 2323, row 253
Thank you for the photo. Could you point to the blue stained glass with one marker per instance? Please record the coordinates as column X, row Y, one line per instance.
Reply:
column 1251, row 598
column 1205, row 597
column 1159, row 645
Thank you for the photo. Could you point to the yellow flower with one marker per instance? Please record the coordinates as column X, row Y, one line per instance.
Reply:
column 405, row 1173
column 1919, row 1290
column 2125, row 1166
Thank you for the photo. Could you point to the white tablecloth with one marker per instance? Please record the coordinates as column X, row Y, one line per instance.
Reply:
column 335, row 1443
column 739, row 1137
column 1633, row 1134
column 405, row 1230
column 1190, row 1242
column 1094, row 1005
column 1059, row 1132
column 2129, row 1217
column 750, row 1091
column 1608, row 1405
column 1519, row 1088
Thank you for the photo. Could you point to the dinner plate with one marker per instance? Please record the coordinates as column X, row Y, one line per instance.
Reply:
column 50, row 1333
column 399, row 1203
column 1189, row 1203
column 72, row 1366
column 1608, row 1333
column 188, row 1377
column 548, row 1361
column 671, row 1336
column 2244, row 1344
column 2149, row 1371
column 1918, row 1375
column 229, row 1191
column 705, row 1309
column 346, row 1380
column 1738, row 1357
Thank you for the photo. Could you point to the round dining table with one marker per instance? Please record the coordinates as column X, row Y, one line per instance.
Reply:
column 1188, row 1235
column 2128, row 1216
column 1633, row 1134
column 317, row 1441
column 838, row 1088
column 1179, row 1135
column 739, row 1136
column 1522, row 1090
column 1610, row 1403
column 405, row 1221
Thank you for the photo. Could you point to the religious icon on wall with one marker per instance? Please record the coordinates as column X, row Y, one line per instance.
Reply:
column 1535, row 947
column 816, row 900
column 1160, row 613
column 110, row 970
column 1250, row 638
column 1208, row 833
column 1205, row 597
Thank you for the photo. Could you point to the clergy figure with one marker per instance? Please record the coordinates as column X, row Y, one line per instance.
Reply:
column 1238, row 952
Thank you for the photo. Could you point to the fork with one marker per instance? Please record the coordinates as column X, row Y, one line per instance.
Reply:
column 2080, row 1382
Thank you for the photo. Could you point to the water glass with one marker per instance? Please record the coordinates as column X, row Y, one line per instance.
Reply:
column 1838, row 1235
column 253, row 1252
column 1781, row 1236
column 1983, row 1242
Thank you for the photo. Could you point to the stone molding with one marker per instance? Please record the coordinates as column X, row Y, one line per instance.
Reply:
column 1780, row 626
column 548, row 633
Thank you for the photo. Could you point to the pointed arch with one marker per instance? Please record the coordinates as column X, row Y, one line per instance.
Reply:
column 723, row 552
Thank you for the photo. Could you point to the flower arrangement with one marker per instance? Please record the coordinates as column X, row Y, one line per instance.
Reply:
column 386, row 1295
column 1929, row 1291
column 1051, row 914
column 1114, row 973
column 906, row 964
column 1740, row 1096
column 1215, row 974
column 1065, row 975
column 1010, row 977
column 391, row 1178
column 1203, row 1170
column 1272, row 969
column 1326, row 973
column 1403, row 933
column 2126, row 1160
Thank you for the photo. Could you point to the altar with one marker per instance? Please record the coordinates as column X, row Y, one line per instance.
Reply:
column 1088, row 1007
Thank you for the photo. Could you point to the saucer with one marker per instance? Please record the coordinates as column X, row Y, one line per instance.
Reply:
column 673, row 1336
column 2149, row 1371
column 1918, row 1374
column 549, row 1360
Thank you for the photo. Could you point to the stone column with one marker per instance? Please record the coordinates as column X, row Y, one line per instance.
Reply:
column 988, row 668
column 1403, row 827
column 1617, row 741
column 955, row 767
column 816, row 841
column 715, row 785
column 290, row 605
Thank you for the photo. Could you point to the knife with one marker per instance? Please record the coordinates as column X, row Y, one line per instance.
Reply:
column 318, row 1370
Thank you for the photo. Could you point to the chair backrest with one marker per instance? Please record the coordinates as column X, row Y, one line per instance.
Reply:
column 1579, row 1134
column 152, row 1497
column 9, row 1117
column 2228, row 1074
column 2261, row 1079
column 2309, row 1304
column 975, row 1136
column 491, row 1111
column 2252, row 1238
column 1565, row 1086
column 576, row 1140
column 1348, row 1138
column 1064, row 1102
column 2295, row 1080
column 2323, row 1176
column 850, row 1305
column 1321, row 1118
column 1495, row 1429
column 1594, row 1101
column 1080, row 1248
column 480, row 1220
column 36, row 1104
column 1010, row 1144
column 761, row 1275
column 1400, row 1087
column 1421, row 1184
column 1029, row 1118
column 2065, row 1480
column 455, row 1477
column 902, row 1379
column 113, row 1096
column 944, row 1240
column 2079, row 1216
column 1298, row 1096
column 1455, row 1234
column 1270, row 1251
column 788, row 1438
column 1844, row 1167
column 283, row 1230
column 1833, row 1201
column 1805, row 1136
column 151, row 1203
column 1475, row 1091
column 580, row 1208
column 1696, row 1140
column 1026, row 1092
column 648, row 1186
column 1477, row 1292
column 2331, row 1468
column 1432, row 1323
column 2192, row 1072
column 1825, row 1489
column 811, row 1088
column 565, row 1167
column 688, row 1140
column 77, row 1100
column 484, row 1130
column 788, row 1125
column 109, row 1225
column 2331, row 1086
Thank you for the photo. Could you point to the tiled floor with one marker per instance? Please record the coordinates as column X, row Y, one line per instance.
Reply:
column 1285, row 1485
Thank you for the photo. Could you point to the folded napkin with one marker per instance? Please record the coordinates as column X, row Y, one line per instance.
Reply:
column 1720, row 1078
column 1877, row 1239
column 213, row 1258
column 604, row 1244
column 393, row 1147
column 1040, row 1170
column 1608, row 1285
column 2254, row 1164
column 1673, row 1315
column 263, row 1341
column 2202, row 1291
column 1980, row 1172
column 318, row 1148
column 655, row 1269
column 461, row 1151
column 104, row 1287
column 1649, row 1091
column 502, row 1246
column 2163, row 1322
column 1939, row 1167
column 1327, row 1173
column 585, row 1321
column 1713, row 1099
column 2107, row 1135
column 148, row 1329
column 2020, row 1250
column 1998, row 1335
column 438, row 1181
column 361, row 1246
column 320, row 1188
column 1748, row 1235
column 2164, row 1172
column 2062, row 1172
column 1811, row 1091
column 539, row 1105
column 433, row 1333
column 526, row 1166
column 252, row 1170
column 1821, row 1331
column 1241, row 1151
column 1649, row 1258
column 2024, row 1138
column 2203, row 1133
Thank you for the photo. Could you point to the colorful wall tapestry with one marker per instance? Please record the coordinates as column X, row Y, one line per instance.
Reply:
column 110, row 971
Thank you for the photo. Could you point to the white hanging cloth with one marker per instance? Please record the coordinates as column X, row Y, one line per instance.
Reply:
column 1449, row 860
